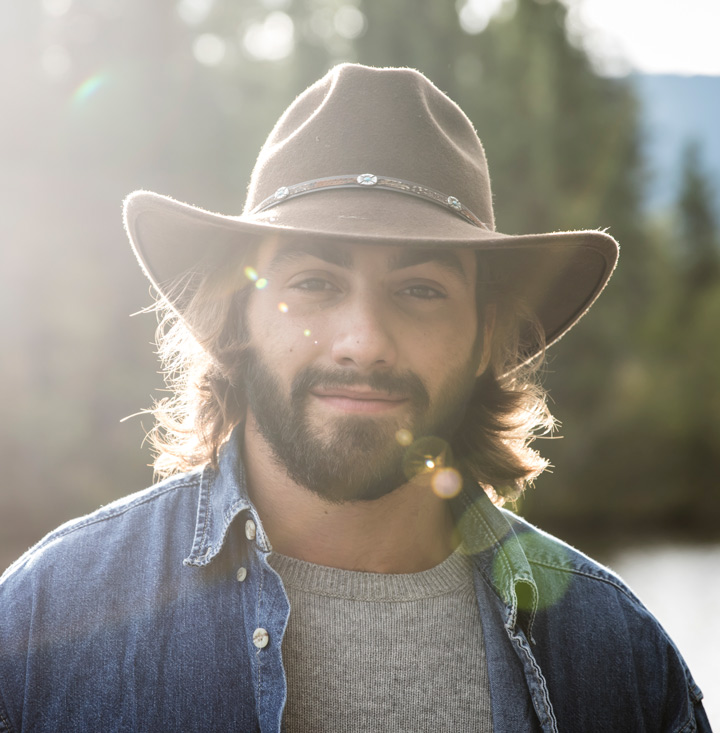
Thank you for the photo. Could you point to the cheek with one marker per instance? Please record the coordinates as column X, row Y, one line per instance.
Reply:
column 276, row 332
column 446, row 350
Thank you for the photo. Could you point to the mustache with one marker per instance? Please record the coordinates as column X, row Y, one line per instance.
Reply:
column 406, row 385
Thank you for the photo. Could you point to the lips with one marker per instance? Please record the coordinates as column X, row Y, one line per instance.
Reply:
column 357, row 400
column 334, row 391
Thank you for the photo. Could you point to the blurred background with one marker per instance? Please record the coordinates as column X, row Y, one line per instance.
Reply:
column 594, row 113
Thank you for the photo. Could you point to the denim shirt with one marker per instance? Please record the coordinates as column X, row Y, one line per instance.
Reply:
column 160, row 612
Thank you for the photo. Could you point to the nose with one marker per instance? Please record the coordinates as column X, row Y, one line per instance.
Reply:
column 363, row 337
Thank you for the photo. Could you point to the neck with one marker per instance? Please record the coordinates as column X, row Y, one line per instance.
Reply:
column 406, row 531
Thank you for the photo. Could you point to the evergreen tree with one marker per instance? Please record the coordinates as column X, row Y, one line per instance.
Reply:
column 698, row 226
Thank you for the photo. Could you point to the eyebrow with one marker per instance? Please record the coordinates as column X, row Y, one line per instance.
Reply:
column 339, row 256
column 446, row 258
column 342, row 257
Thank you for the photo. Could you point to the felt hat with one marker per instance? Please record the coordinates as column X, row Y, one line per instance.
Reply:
column 379, row 156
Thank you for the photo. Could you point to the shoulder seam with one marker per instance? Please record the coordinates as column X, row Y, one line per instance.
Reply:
column 576, row 571
column 106, row 513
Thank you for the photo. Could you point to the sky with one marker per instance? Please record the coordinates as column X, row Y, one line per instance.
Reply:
column 652, row 36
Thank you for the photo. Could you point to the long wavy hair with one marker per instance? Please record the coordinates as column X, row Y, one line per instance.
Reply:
column 204, row 354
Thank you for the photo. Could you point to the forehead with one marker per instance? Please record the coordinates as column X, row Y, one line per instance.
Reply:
column 273, row 257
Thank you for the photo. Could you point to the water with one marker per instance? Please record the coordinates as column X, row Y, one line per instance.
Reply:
column 680, row 584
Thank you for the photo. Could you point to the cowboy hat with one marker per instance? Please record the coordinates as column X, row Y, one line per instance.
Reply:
column 376, row 156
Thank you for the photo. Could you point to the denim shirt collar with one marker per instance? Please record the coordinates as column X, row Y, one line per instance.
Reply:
column 498, row 556
column 223, row 495
column 485, row 531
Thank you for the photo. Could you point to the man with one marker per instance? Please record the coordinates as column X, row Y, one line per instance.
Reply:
column 353, row 363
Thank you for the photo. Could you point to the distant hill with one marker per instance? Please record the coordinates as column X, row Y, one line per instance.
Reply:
column 677, row 109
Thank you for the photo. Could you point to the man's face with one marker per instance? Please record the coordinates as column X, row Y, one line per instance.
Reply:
column 355, row 348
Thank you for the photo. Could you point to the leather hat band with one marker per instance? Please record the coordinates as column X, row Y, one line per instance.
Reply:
column 369, row 180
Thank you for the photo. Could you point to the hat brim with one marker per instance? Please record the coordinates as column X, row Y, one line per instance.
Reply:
column 559, row 274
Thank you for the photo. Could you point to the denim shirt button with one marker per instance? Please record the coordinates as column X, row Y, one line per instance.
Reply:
column 241, row 574
column 260, row 638
column 250, row 529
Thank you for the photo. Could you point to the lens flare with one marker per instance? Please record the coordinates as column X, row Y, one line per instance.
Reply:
column 426, row 454
column 404, row 437
column 251, row 274
column 306, row 332
column 283, row 307
column 446, row 482
column 88, row 88
column 261, row 283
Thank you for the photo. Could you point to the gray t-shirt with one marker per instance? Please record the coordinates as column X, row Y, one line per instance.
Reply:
column 381, row 652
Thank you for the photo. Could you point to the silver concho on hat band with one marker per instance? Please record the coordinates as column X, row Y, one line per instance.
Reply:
column 370, row 180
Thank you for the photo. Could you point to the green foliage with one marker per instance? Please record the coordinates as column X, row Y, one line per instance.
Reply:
column 698, row 226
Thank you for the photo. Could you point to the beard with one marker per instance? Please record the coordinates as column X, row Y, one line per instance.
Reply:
column 350, row 458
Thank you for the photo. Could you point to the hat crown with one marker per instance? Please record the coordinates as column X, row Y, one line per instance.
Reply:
column 389, row 122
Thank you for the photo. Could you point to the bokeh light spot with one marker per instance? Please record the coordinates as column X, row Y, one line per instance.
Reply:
column 475, row 15
column 349, row 22
column 276, row 4
column 430, row 463
column 283, row 307
column 209, row 49
column 271, row 40
column 194, row 12
column 446, row 482
column 404, row 437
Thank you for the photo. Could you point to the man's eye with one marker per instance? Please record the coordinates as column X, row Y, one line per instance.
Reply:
column 314, row 284
column 424, row 292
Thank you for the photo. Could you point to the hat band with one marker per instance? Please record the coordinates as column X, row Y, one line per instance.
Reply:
column 369, row 180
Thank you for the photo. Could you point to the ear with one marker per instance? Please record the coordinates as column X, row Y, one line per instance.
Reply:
column 488, row 327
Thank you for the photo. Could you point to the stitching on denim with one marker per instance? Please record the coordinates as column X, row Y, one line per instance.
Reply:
column 205, row 504
column 230, row 515
column 689, row 727
column 549, row 712
column 504, row 558
column 259, row 651
column 693, row 697
column 576, row 571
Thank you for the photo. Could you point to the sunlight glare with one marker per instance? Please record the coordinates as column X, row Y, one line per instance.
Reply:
column 56, row 8
column 625, row 35
column 56, row 61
